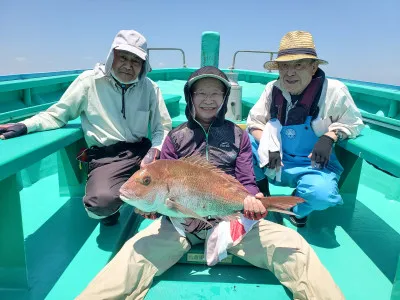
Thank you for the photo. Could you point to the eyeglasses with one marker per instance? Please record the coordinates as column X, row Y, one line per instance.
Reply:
column 298, row 66
column 201, row 96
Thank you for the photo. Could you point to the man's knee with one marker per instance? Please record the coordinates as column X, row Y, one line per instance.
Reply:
column 102, row 204
column 322, row 193
column 290, row 249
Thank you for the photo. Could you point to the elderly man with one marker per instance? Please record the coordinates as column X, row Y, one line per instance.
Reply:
column 117, row 104
column 295, row 124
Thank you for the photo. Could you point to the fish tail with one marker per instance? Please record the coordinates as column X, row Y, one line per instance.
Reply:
column 281, row 203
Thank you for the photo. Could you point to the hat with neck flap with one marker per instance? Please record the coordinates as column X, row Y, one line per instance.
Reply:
column 206, row 72
column 133, row 42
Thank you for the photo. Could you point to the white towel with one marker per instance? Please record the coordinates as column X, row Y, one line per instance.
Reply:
column 271, row 141
column 225, row 235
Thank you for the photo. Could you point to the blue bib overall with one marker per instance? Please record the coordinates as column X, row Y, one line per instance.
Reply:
column 317, row 187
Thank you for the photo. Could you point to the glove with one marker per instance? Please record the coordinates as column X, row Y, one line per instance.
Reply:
column 322, row 151
column 8, row 131
column 152, row 155
column 274, row 160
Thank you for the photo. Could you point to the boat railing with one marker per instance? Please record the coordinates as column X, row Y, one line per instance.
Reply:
column 169, row 49
column 271, row 55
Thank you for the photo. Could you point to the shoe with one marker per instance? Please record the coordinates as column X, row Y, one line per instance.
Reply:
column 298, row 222
column 111, row 220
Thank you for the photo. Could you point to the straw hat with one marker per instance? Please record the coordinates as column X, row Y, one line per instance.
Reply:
column 295, row 45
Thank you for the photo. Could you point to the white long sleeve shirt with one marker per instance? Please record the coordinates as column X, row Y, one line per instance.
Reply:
column 97, row 99
column 337, row 109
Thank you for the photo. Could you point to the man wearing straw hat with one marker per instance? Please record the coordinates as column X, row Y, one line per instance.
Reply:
column 295, row 124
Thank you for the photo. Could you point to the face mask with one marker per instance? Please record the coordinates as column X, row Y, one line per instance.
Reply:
column 123, row 82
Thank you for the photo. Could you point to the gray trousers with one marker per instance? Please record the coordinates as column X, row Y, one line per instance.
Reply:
column 108, row 169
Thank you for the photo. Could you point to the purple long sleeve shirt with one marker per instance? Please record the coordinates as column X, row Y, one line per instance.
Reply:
column 243, row 164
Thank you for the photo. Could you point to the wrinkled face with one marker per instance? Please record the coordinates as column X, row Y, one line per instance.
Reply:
column 144, row 190
column 126, row 66
column 296, row 75
column 208, row 96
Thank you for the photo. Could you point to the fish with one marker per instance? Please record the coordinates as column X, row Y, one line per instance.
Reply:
column 191, row 187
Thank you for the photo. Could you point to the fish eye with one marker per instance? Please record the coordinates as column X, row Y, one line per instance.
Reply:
column 146, row 180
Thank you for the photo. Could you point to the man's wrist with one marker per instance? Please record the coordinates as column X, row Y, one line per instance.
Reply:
column 332, row 135
column 339, row 134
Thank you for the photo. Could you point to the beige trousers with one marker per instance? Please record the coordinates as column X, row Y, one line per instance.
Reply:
column 154, row 250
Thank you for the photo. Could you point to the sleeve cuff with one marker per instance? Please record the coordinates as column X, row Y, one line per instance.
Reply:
column 30, row 125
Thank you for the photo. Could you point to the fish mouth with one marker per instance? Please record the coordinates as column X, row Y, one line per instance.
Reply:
column 124, row 194
column 125, row 199
column 132, row 202
column 131, row 199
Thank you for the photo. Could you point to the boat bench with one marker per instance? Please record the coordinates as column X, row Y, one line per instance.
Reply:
column 172, row 103
column 15, row 155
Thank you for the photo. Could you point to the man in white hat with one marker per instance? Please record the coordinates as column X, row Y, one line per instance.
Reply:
column 295, row 124
column 117, row 105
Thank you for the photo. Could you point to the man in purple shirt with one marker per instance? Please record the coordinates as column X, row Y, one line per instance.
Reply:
column 266, row 245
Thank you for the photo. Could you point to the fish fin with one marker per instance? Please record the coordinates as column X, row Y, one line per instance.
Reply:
column 170, row 203
column 281, row 203
column 198, row 160
column 288, row 212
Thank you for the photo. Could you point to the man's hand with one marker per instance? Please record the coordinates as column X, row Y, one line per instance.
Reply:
column 8, row 131
column 152, row 215
column 321, row 152
column 152, row 155
column 253, row 208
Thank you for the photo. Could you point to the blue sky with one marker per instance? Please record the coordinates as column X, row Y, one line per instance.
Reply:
column 360, row 39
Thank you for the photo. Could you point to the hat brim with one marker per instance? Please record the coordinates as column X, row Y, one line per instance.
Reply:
column 196, row 78
column 273, row 64
column 137, row 51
